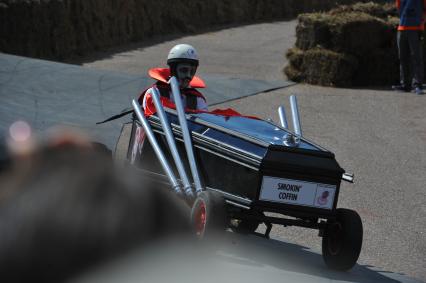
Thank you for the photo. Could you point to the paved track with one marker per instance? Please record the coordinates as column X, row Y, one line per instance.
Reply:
column 379, row 135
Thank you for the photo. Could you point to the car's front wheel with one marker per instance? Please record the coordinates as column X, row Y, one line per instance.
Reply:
column 342, row 240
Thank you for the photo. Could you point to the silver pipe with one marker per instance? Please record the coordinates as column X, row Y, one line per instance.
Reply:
column 283, row 117
column 237, row 204
column 348, row 177
column 171, row 142
column 245, row 201
column 185, row 132
column 156, row 147
column 295, row 115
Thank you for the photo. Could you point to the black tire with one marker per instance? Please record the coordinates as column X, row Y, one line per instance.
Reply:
column 342, row 240
column 215, row 216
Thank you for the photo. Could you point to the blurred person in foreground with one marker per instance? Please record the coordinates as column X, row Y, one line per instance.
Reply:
column 410, row 44
column 64, row 208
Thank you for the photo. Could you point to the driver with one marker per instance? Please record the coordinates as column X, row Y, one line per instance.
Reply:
column 183, row 63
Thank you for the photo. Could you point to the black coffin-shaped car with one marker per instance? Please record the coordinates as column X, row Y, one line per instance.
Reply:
column 250, row 172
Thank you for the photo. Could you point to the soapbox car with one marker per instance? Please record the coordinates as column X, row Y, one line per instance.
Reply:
column 246, row 172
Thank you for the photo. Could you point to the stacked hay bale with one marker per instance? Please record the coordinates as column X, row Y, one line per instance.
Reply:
column 348, row 46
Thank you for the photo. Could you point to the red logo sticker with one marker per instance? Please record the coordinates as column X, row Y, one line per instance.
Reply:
column 323, row 199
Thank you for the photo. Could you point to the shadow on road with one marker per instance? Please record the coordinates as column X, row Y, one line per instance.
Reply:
column 286, row 258
column 233, row 258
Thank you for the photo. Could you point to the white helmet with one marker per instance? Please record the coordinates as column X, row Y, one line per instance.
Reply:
column 183, row 53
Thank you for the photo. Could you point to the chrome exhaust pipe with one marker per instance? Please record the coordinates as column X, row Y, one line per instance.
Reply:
column 295, row 116
column 160, row 155
column 288, row 139
column 283, row 117
column 348, row 177
column 171, row 142
column 186, row 134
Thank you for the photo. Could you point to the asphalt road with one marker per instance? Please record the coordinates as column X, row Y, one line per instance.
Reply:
column 377, row 134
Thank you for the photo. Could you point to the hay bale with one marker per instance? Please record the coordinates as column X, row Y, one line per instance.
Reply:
column 293, row 71
column 357, row 33
column 326, row 67
column 371, row 8
column 294, row 74
column 295, row 57
column 313, row 30
column 378, row 67
column 350, row 45
column 321, row 66
column 351, row 32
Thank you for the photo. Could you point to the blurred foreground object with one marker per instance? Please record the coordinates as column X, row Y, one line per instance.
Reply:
column 20, row 140
column 64, row 207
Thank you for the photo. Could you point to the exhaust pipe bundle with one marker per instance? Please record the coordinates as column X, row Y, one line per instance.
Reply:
column 171, row 142
column 291, row 139
column 160, row 155
column 186, row 135
column 187, row 189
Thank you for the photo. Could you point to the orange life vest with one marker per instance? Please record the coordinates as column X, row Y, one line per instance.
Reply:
column 162, row 75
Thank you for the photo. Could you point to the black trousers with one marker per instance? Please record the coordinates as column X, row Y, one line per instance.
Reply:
column 410, row 57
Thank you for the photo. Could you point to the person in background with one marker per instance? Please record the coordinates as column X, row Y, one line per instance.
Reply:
column 410, row 39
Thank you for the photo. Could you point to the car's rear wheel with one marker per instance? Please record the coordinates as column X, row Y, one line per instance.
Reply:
column 208, row 214
column 342, row 240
